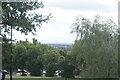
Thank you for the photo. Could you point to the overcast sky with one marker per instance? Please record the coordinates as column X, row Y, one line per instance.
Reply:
column 64, row 12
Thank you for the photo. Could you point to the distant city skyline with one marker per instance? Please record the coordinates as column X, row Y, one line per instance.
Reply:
column 64, row 12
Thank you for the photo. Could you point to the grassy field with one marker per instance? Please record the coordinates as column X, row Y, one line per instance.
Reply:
column 37, row 78
column 55, row 78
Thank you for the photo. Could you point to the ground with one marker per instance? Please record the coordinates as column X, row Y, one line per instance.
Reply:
column 37, row 78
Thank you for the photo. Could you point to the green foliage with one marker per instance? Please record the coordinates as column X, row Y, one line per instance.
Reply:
column 96, row 49
column 94, row 52
column 66, row 66
column 34, row 61
column 5, row 55
column 50, row 62
column 19, row 16
column 34, row 57
column 20, row 55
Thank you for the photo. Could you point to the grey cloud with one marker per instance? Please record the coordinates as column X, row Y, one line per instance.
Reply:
column 80, row 5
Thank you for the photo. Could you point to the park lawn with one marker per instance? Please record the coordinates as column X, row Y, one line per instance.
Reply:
column 37, row 78
column 54, row 78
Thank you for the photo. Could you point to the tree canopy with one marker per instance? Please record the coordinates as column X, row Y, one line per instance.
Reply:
column 95, row 50
column 17, row 15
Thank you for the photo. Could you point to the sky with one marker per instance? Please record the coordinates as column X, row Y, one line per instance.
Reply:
column 64, row 13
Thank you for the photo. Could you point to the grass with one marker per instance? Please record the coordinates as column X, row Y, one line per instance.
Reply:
column 37, row 78
column 54, row 78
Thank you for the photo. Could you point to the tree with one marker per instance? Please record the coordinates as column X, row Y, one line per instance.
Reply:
column 96, row 47
column 51, row 62
column 35, row 42
column 5, row 54
column 66, row 65
column 35, row 60
column 20, row 17
column 19, row 58
column 34, row 57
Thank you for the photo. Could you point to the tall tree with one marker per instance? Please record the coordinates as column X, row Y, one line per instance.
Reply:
column 96, row 47
column 21, row 17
